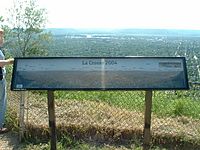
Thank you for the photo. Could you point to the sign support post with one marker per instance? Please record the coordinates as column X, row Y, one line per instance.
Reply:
column 21, row 116
column 52, row 120
column 147, row 119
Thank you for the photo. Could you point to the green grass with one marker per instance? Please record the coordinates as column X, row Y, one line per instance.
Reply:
column 132, row 100
column 169, row 103
column 180, row 103
column 176, row 105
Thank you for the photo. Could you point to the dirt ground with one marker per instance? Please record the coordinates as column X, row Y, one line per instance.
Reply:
column 9, row 141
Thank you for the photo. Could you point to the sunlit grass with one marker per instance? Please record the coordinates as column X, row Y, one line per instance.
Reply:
column 164, row 103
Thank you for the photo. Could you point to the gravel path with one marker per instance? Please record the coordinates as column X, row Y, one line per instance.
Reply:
column 9, row 141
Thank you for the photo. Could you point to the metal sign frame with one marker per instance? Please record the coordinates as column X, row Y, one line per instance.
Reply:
column 117, row 69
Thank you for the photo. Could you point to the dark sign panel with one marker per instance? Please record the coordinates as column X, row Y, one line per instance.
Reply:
column 99, row 73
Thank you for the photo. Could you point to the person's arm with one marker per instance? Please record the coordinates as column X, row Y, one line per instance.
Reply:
column 6, row 62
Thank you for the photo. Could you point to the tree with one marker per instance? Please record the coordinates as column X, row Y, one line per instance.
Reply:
column 27, row 22
column 1, row 19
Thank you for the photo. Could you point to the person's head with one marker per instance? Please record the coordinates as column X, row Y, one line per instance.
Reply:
column 1, row 37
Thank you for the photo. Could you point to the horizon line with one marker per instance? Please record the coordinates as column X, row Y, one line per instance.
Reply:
column 133, row 28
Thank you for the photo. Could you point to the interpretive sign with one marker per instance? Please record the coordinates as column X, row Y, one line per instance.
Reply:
column 99, row 73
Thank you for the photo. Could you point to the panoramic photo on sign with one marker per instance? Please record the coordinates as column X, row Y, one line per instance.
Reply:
column 97, row 73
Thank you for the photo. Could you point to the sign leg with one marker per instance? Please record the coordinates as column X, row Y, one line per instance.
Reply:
column 21, row 116
column 147, row 120
column 52, row 120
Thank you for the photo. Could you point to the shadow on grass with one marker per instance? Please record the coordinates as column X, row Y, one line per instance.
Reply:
column 9, row 140
column 74, row 136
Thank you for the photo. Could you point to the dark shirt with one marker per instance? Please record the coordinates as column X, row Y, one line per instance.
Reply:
column 2, row 70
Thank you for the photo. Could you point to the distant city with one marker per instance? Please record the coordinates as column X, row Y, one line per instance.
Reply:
column 144, row 32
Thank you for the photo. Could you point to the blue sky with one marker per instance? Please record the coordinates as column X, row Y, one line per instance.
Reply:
column 170, row 14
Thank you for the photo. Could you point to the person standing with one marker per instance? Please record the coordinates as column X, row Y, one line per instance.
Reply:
column 3, row 100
